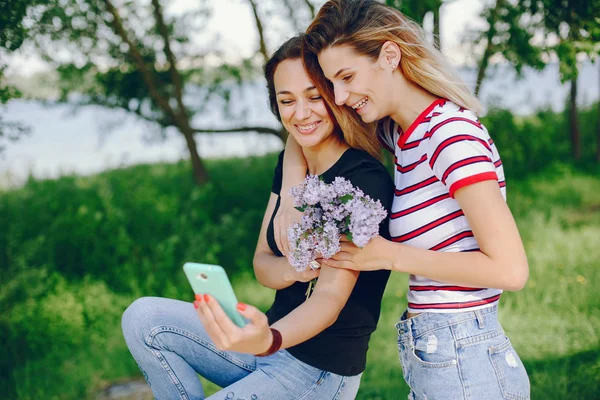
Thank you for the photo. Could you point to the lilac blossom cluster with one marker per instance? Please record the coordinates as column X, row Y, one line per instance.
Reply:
column 330, row 210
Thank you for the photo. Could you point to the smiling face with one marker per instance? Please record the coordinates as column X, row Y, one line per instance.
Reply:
column 359, row 82
column 301, row 107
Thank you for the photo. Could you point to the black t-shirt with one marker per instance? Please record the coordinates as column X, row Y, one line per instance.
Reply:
column 341, row 348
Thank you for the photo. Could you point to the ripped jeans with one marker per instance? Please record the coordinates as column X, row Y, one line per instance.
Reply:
column 171, row 347
column 462, row 355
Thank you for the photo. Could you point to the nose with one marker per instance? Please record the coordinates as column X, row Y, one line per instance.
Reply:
column 302, row 110
column 340, row 95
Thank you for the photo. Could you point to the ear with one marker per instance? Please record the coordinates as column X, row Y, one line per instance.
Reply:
column 389, row 56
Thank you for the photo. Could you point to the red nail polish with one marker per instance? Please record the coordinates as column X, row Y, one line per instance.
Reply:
column 206, row 298
column 241, row 306
column 199, row 297
column 196, row 305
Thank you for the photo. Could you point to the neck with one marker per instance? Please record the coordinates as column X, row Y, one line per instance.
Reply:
column 321, row 157
column 409, row 102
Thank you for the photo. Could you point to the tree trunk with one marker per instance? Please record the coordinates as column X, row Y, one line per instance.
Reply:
column 437, row 40
column 489, row 48
column 573, row 121
column 199, row 170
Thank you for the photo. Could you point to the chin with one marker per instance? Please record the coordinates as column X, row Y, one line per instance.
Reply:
column 308, row 141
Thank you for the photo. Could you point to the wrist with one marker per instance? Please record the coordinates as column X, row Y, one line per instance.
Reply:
column 274, row 343
column 391, row 255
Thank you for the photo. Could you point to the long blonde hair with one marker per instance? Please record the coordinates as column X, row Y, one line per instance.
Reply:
column 365, row 25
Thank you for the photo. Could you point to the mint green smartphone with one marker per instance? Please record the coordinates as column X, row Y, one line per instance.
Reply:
column 212, row 279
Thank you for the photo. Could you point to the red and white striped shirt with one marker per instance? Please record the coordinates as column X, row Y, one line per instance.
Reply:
column 445, row 149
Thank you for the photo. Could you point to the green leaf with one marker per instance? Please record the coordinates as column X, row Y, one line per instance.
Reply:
column 301, row 209
column 346, row 198
column 349, row 236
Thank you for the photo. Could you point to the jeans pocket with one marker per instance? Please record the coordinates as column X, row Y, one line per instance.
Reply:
column 510, row 372
column 435, row 349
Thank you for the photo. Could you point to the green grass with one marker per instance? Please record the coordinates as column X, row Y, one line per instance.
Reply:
column 62, row 297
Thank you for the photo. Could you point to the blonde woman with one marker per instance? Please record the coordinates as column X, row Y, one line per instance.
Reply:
column 450, row 227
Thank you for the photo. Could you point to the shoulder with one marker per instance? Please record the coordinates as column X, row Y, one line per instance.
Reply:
column 368, row 174
column 452, row 120
column 358, row 161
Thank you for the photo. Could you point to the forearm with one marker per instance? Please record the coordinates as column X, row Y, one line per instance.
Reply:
column 315, row 315
column 294, row 165
column 272, row 271
column 472, row 269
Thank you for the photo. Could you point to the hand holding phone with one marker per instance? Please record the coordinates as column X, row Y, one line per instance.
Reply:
column 212, row 280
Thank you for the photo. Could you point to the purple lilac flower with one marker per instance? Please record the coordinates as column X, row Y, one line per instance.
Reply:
column 329, row 211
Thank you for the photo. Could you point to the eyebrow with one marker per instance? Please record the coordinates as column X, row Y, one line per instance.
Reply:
column 340, row 72
column 308, row 89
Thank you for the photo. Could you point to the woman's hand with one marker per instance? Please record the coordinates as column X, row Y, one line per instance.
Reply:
column 286, row 216
column 372, row 257
column 254, row 338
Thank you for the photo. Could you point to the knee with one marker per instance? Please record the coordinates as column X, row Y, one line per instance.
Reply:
column 136, row 320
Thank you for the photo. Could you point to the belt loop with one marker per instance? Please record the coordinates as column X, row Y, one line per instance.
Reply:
column 480, row 320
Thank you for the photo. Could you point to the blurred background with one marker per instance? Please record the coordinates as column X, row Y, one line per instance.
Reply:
column 128, row 128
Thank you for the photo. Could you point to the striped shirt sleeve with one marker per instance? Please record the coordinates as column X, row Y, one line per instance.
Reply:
column 459, row 151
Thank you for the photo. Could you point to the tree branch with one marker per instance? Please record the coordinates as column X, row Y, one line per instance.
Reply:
column 139, row 61
column 259, row 27
column 175, row 76
column 311, row 7
column 292, row 14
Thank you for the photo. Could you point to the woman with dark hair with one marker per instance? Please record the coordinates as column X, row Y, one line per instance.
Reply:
column 450, row 227
column 303, row 348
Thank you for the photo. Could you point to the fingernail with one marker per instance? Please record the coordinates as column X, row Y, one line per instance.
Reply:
column 199, row 297
column 196, row 304
column 206, row 297
column 241, row 306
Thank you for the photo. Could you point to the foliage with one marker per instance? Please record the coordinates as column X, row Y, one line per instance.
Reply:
column 570, row 27
column 530, row 144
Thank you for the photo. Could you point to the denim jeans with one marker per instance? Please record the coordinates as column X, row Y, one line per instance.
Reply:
column 171, row 347
column 462, row 355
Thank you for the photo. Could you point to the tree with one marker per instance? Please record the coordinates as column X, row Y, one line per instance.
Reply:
column 13, row 33
column 509, row 34
column 571, row 31
column 136, row 57
column 418, row 9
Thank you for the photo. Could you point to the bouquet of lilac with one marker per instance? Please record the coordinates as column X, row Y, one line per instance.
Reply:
column 330, row 210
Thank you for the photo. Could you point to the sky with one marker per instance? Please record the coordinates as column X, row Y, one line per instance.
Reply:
column 233, row 22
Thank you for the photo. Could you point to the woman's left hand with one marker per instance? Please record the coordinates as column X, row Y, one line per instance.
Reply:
column 372, row 257
column 254, row 338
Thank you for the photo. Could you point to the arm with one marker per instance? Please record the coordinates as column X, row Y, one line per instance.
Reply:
column 272, row 271
column 501, row 263
column 306, row 321
column 321, row 310
column 294, row 172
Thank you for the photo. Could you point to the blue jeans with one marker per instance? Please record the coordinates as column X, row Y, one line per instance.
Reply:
column 171, row 347
column 462, row 355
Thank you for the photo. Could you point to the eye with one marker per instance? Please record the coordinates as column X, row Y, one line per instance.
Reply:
column 316, row 98
column 347, row 78
column 286, row 102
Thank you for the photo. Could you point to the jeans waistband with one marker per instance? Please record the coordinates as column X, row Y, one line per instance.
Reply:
column 425, row 322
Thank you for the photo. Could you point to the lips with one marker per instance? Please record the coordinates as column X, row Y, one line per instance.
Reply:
column 360, row 104
column 307, row 128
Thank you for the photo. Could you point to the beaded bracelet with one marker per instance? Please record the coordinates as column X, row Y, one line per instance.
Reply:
column 275, row 345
